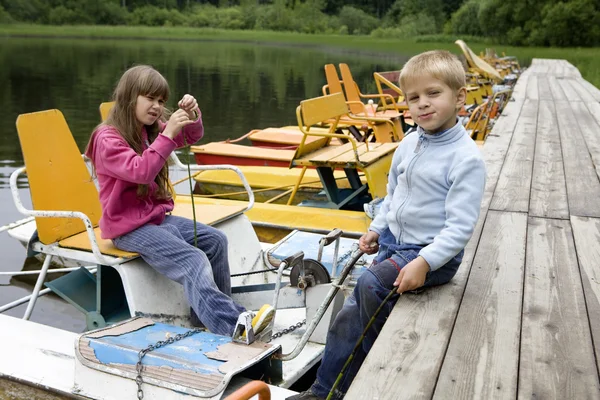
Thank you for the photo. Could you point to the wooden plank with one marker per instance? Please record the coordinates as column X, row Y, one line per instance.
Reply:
column 583, row 92
column 589, row 130
column 594, row 109
column 583, row 187
column 557, row 92
column 545, row 93
column 557, row 359
column 368, row 157
column 514, row 184
column 327, row 153
column 571, row 93
column 548, row 187
column 532, row 88
column 420, row 326
column 483, row 354
column 586, row 232
column 594, row 91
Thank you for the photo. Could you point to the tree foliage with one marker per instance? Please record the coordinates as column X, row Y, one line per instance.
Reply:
column 516, row 22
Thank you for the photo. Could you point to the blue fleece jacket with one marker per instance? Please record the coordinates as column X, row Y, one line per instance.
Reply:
column 434, row 193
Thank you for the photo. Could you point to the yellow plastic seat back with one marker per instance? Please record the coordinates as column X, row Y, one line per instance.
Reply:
column 58, row 177
column 105, row 109
column 333, row 80
column 478, row 64
column 316, row 110
column 351, row 89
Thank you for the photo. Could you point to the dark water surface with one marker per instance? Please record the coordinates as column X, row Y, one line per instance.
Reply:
column 239, row 87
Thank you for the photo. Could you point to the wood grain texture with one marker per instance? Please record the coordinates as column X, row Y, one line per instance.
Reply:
column 482, row 358
column 583, row 187
column 548, row 187
column 570, row 93
column 557, row 92
column 557, row 356
column 545, row 93
column 514, row 184
column 586, row 232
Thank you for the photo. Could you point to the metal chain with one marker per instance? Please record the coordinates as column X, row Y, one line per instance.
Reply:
column 152, row 347
column 287, row 330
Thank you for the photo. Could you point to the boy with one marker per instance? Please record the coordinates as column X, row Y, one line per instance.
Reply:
column 434, row 193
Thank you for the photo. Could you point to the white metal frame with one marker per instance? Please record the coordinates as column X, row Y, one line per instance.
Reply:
column 96, row 257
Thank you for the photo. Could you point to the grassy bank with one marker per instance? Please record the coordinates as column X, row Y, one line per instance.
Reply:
column 585, row 59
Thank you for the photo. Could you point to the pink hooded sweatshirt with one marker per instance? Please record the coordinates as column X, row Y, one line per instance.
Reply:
column 120, row 169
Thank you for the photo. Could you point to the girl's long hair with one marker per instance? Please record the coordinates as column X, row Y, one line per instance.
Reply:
column 141, row 80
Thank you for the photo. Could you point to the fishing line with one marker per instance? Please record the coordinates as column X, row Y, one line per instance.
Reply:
column 358, row 343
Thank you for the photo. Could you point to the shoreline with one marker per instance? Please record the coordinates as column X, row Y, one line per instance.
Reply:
column 582, row 58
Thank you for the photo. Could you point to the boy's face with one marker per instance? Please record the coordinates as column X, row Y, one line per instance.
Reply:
column 433, row 104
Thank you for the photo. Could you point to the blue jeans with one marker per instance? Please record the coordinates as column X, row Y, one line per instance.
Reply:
column 371, row 289
column 203, row 271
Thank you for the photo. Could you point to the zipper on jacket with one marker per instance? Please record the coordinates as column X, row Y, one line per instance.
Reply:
column 418, row 153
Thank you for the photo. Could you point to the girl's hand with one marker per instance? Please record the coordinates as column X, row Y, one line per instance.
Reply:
column 178, row 120
column 189, row 104
column 368, row 242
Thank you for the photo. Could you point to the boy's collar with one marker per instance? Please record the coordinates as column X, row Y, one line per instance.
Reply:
column 444, row 136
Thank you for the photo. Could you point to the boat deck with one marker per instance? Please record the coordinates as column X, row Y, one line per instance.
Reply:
column 521, row 319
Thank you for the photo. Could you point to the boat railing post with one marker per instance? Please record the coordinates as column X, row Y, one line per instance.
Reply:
column 235, row 169
column 38, row 286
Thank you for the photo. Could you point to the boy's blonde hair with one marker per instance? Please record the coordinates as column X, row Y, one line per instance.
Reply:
column 440, row 64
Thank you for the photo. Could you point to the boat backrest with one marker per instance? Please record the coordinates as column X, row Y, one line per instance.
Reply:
column 58, row 177
column 477, row 64
column 389, row 79
column 351, row 89
column 316, row 110
column 105, row 109
column 334, row 85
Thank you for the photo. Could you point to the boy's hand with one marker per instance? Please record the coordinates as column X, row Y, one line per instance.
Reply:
column 368, row 242
column 178, row 120
column 412, row 276
column 189, row 104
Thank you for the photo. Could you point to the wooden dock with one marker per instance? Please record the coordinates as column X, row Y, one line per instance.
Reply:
column 521, row 319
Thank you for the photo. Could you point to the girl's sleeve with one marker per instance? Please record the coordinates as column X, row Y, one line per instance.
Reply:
column 114, row 157
column 191, row 133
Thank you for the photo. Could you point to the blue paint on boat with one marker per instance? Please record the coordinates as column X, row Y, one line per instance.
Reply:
column 186, row 353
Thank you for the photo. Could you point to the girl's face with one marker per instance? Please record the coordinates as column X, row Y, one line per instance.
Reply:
column 148, row 109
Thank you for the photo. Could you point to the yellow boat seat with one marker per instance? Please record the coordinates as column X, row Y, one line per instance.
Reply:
column 385, row 124
column 477, row 64
column 105, row 109
column 374, row 159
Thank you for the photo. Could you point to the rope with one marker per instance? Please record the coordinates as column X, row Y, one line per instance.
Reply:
column 358, row 343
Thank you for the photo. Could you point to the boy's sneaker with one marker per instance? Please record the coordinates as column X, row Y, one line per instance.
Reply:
column 306, row 395
column 262, row 319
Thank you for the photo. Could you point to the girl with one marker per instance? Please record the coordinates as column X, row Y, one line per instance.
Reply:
column 129, row 153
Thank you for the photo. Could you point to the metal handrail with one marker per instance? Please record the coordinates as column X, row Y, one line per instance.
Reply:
column 102, row 260
column 240, row 174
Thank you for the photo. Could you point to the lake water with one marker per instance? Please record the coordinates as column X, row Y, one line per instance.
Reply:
column 239, row 87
